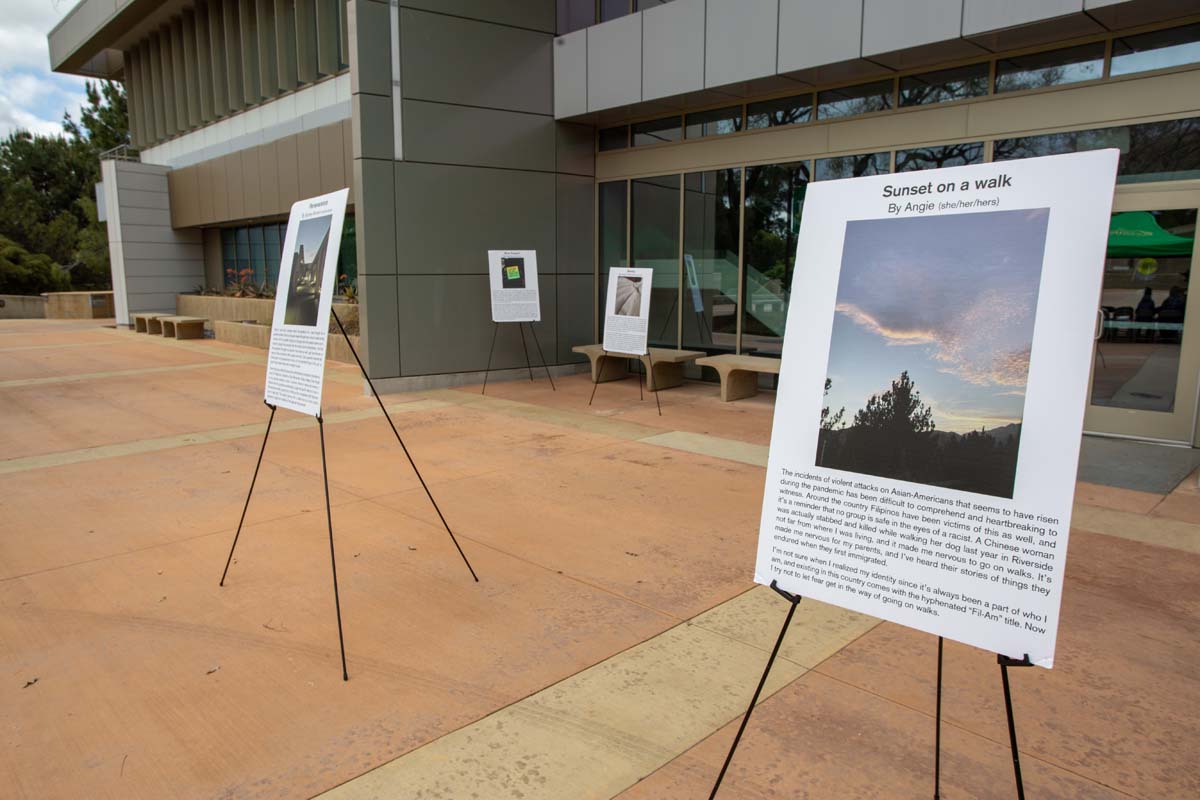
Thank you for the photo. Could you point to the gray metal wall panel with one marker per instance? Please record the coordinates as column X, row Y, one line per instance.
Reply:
column 191, row 68
column 306, row 40
column 268, row 58
column 204, row 65
column 371, row 44
column 236, row 91
column 673, row 49
column 248, row 34
column 980, row 16
column 135, row 98
column 740, row 40
column 449, row 217
column 327, row 36
column 890, row 26
column 447, row 324
column 379, row 325
column 575, row 151
column 536, row 15
column 375, row 216
column 216, row 33
column 179, row 75
column 570, row 74
column 813, row 33
column 614, row 63
column 450, row 134
column 576, row 315
column 476, row 63
column 575, row 218
column 162, row 42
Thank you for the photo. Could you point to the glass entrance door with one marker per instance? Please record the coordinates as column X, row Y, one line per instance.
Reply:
column 1146, row 361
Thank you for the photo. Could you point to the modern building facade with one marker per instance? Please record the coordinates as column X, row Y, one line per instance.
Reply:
column 679, row 136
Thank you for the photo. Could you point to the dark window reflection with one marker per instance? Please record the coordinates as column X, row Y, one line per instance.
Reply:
column 612, row 233
column 614, row 138
column 944, row 85
column 851, row 100
column 716, row 122
column 950, row 155
column 710, row 260
column 1050, row 68
column 654, row 230
column 575, row 14
column 782, row 111
column 774, row 202
column 1156, row 50
column 656, row 131
column 852, row 166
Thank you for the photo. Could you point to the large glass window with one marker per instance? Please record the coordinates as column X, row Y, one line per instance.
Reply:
column 852, row 100
column 614, row 138
column 781, row 111
column 852, row 166
column 774, row 201
column 612, row 245
column 944, row 85
column 654, row 243
column 252, row 254
column 716, row 122
column 949, row 155
column 710, row 259
column 657, row 131
column 1050, row 68
column 1153, row 151
column 1155, row 50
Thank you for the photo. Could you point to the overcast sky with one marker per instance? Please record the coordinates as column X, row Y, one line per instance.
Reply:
column 949, row 298
column 31, row 96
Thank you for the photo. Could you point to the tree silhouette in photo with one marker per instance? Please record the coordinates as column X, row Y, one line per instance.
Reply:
column 894, row 436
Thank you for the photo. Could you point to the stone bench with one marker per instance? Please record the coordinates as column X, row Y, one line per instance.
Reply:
column 739, row 374
column 182, row 327
column 147, row 323
column 611, row 366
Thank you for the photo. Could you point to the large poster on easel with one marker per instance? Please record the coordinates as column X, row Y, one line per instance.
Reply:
column 931, row 397
column 513, row 277
column 304, row 294
column 627, row 310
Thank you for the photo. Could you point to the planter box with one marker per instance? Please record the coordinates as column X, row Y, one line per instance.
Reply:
column 79, row 305
column 22, row 306
column 253, row 335
column 259, row 309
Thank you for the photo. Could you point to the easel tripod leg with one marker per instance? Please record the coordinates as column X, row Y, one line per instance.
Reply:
column 596, row 376
column 488, row 368
column 542, row 357
column 407, row 455
column 337, row 603
column 525, row 350
column 652, row 382
column 795, row 601
column 1005, row 663
column 257, row 464
column 937, row 730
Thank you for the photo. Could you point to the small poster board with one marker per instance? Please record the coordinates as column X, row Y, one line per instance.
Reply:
column 304, row 293
column 514, row 283
column 627, row 310
column 930, row 405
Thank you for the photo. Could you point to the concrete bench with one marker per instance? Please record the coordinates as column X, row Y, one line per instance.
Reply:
column 148, row 323
column 739, row 374
column 612, row 366
column 182, row 327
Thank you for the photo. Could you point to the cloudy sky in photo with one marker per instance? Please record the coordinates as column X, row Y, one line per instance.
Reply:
column 949, row 298
column 32, row 97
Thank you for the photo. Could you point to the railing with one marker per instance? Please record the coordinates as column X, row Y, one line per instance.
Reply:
column 122, row 152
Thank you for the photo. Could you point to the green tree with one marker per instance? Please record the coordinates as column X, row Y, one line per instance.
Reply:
column 829, row 421
column 897, row 411
column 22, row 272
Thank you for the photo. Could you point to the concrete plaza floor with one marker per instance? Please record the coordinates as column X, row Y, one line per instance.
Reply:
column 607, row 651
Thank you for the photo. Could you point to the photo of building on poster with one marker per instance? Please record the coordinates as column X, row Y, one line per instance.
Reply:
column 512, row 273
column 929, row 356
column 308, row 271
column 629, row 296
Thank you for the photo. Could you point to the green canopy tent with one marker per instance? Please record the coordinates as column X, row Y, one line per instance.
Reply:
column 1136, row 234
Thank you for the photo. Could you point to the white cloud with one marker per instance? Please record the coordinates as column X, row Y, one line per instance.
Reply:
column 31, row 96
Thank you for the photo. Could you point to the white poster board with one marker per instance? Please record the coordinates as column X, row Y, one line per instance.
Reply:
column 304, row 293
column 627, row 310
column 514, row 282
column 931, row 396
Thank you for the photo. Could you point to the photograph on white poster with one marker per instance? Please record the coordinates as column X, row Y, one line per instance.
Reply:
column 929, row 414
column 627, row 310
column 940, row 311
column 300, row 325
column 513, row 280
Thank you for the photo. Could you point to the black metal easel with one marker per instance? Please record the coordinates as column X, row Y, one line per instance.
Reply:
column 328, row 511
column 650, row 356
column 1004, row 661
column 524, row 349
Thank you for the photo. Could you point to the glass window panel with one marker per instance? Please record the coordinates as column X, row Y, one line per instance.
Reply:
column 258, row 256
column 774, row 201
column 950, row 155
column 575, row 14
column 852, row 100
column 348, row 257
column 944, row 85
column 611, row 9
column 710, row 260
column 782, row 111
column 657, row 131
column 1153, row 151
column 244, row 270
column 612, row 234
column 1143, row 303
column 274, row 249
column 228, row 255
column 1156, row 50
column 614, row 138
column 716, row 122
column 852, row 166
column 1050, row 68
column 654, row 244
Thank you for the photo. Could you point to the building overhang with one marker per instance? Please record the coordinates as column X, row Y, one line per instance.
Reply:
column 91, row 38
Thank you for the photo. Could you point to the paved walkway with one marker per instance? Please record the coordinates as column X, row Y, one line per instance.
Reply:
column 608, row 650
